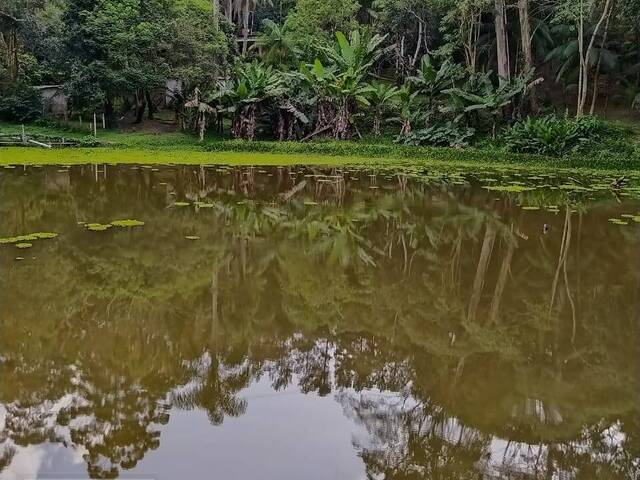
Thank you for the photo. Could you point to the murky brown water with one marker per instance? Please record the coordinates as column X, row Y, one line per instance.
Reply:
column 317, row 324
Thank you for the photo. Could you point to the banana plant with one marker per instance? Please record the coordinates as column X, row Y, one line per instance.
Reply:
column 382, row 99
column 254, row 87
column 430, row 82
column 352, row 59
column 409, row 110
column 480, row 95
column 319, row 81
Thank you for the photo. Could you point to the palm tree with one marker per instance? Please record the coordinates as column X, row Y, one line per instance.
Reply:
column 275, row 43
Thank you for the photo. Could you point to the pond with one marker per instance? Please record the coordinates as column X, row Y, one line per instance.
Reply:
column 317, row 323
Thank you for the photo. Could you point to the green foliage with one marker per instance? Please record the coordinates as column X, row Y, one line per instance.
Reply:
column 313, row 22
column 449, row 134
column 431, row 81
column 277, row 43
column 479, row 95
column 552, row 135
column 20, row 103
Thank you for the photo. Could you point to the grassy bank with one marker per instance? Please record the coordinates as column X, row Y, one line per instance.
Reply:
column 179, row 147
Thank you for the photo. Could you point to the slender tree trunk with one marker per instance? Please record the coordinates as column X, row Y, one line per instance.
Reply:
column 281, row 133
column 583, row 67
column 245, row 27
column 594, row 97
column 10, row 42
column 215, row 5
column 229, row 11
column 108, row 110
column 527, row 51
column 418, row 44
column 150, row 106
column 502, row 49
column 377, row 124
column 141, row 105
column 341, row 129
column 583, row 85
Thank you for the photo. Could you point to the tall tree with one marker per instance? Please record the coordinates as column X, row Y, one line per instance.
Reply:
column 527, row 50
column 502, row 43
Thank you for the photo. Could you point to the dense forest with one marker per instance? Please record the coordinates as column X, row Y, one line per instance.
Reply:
column 436, row 72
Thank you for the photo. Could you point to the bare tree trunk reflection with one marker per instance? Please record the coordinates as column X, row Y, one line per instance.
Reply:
column 481, row 272
column 562, row 267
column 502, row 279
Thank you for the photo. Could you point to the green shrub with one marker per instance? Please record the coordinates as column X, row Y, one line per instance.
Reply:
column 20, row 103
column 554, row 136
column 448, row 134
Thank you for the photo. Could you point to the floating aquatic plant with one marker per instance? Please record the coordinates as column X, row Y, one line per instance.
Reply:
column 24, row 245
column 181, row 204
column 617, row 221
column 127, row 223
column 204, row 205
column 45, row 235
column 27, row 238
column 97, row 227
column 530, row 207
column 192, row 237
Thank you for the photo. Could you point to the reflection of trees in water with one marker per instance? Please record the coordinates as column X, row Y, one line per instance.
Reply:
column 429, row 294
column 112, row 425
column 409, row 439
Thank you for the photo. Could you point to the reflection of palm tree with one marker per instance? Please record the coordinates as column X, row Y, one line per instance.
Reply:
column 214, row 389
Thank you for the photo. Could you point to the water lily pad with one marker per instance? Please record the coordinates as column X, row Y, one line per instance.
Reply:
column 45, row 235
column 181, row 204
column 24, row 245
column 530, row 207
column 192, row 237
column 617, row 221
column 204, row 205
column 97, row 227
column 127, row 223
column 18, row 239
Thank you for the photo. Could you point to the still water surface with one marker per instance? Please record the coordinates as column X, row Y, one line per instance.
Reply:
column 296, row 323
